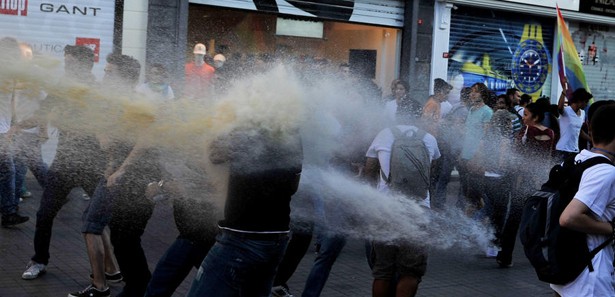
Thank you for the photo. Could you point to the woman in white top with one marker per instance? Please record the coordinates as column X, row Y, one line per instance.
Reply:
column 570, row 122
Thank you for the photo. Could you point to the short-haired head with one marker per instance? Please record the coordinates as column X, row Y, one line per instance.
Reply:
column 78, row 60
column 128, row 68
column 594, row 106
column 580, row 95
column 482, row 89
column 511, row 91
column 601, row 125
column 441, row 86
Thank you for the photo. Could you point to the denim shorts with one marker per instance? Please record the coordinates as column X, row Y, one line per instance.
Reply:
column 98, row 213
column 401, row 258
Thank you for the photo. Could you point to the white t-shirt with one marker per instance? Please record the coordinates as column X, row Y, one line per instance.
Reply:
column 445, row 108
column 569, row 127
column 381, row 150
column 390, row 110
column 597, row 192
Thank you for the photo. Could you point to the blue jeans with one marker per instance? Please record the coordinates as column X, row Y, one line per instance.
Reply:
column 448, row 162
column 239, row 266
column 175, row 265
column 8, row 199
column 331, row 246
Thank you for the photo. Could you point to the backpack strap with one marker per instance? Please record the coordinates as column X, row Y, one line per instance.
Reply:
column 594, row 161
column 582, row 167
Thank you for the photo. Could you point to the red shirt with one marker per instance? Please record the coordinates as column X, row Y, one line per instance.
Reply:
column 198, row 79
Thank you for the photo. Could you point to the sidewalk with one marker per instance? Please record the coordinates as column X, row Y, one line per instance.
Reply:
column 449, row 273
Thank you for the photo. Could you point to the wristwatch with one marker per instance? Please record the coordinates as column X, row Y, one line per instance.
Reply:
column 530, row 62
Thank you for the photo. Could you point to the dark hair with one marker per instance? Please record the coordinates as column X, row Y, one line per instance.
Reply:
column 580, row 95
column 128, row 67
column 403, row 83
column 601, row 124
column 441, row 86
column 537, row 111
column 507, row 100
column 483, row 90
column 464, row 94
column 525, row 98
column 163, row 70
column 84, row 54
column 594, row 106
column 511, row 91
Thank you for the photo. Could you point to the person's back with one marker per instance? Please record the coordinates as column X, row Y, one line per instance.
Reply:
column 592, row 210
column 265, row 168
column 261, row 178
column 407, row 258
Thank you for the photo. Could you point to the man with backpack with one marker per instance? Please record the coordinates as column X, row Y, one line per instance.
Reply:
column 592, row 210
column 400, row 158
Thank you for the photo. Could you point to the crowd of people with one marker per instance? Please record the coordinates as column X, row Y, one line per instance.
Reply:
column 501, row 146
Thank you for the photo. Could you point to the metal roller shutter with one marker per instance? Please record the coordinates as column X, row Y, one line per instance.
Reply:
column 487, row 46
column 377, row 12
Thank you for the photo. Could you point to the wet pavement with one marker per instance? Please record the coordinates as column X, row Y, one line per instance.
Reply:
column 449, row 272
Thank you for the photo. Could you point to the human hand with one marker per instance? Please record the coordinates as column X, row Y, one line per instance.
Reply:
column 115, row 178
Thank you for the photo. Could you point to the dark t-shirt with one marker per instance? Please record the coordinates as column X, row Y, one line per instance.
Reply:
column 265, row 169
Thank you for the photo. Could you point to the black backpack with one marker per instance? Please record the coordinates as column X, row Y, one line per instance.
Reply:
column 558, row 254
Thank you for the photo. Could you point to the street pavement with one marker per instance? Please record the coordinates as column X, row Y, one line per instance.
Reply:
column 451, row 272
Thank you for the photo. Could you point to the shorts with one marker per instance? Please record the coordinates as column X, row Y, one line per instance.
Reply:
column 406, row 259
column 98, row 213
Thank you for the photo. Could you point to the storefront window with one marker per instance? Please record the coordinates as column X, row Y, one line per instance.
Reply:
column 243, row 34
column 592, row 43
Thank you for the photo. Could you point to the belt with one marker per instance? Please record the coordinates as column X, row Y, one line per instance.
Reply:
column 257, row 236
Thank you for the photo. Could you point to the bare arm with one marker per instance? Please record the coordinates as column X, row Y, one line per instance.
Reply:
column 372, row 168
column 562, row 96
column 576, row 217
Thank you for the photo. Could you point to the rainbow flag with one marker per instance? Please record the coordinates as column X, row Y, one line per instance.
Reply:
column 568, row 60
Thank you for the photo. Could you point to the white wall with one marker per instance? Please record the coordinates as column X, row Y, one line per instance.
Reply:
column 134, row 31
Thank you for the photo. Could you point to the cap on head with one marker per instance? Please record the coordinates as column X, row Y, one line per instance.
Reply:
column 220, row 57
column 200, row 49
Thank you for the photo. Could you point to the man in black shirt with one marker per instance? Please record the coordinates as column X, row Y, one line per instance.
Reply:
column 265, row 167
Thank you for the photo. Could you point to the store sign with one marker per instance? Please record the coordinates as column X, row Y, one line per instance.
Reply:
column 383, row 12
column 48, row 26
column 563, row 4
column 509, row 52
column 601, row 7
column 14, row 7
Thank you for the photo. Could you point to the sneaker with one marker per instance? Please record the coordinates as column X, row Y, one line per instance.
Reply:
column 280, row 291
column 13, row 219
column 491, row 252
column 91, row 291
column 85, row 196
column 26, row 194
column 111, row 278
column 33, row 270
